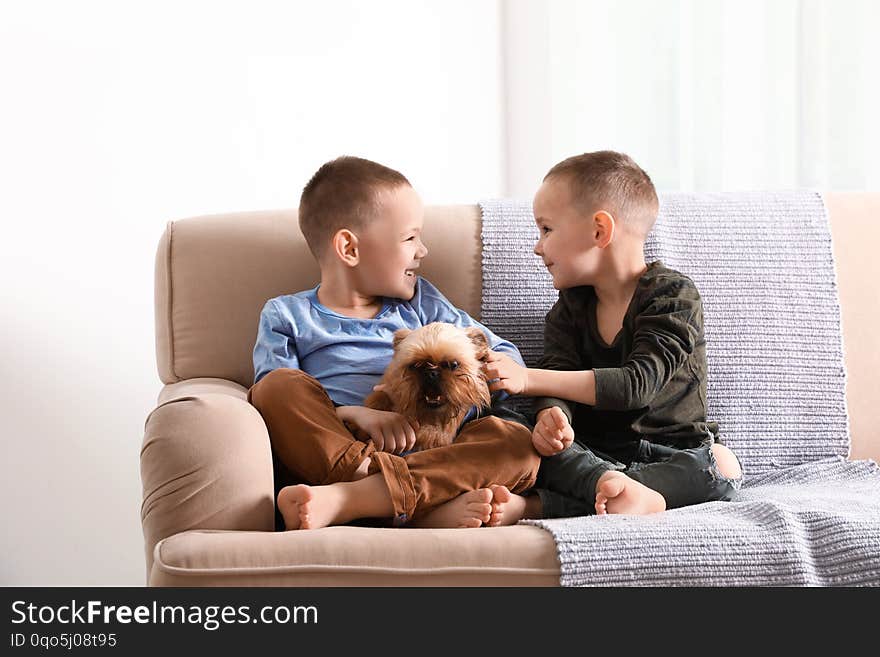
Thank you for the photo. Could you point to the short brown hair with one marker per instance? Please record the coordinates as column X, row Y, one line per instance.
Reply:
column 614, row 181
column 343, row 193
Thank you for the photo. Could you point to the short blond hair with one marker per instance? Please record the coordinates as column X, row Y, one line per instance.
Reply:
column 343, row 193
column 612, row 181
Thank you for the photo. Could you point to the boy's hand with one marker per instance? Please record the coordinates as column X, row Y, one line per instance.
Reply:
column 389, row 431
column 512, row 376
column 552, row 433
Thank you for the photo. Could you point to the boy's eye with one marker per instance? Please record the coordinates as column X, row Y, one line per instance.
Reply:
column 410, row 239
column 544, row 229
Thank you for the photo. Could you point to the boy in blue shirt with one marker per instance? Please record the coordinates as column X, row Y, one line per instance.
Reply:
column 319, row 353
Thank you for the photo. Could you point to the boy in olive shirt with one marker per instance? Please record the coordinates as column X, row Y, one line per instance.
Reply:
column 621, row 388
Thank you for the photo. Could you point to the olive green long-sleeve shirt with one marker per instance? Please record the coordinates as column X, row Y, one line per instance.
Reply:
column 651, row 382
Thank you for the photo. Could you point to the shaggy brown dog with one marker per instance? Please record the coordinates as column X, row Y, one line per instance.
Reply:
column 435, row 376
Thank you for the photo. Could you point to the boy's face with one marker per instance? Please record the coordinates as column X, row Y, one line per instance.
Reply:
column 566, row 240
column 391, row 246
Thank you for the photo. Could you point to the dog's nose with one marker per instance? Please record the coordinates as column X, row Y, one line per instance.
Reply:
column 431, row 375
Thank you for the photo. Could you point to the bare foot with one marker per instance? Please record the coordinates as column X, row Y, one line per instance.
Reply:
column 507, row 508
column 469, row 509
column 617, row 493
column 311, row 507
column 294, row 505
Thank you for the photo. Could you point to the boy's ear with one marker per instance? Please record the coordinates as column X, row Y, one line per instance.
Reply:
column 345, row 246
column 603, row 227
column 399, row 336
column 481, row 344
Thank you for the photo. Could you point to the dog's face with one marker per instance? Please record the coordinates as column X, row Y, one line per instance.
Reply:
column 436, row 371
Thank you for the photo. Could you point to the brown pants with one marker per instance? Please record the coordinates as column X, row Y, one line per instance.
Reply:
column 315, row 446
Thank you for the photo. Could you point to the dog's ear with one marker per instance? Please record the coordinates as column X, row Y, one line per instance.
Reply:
column 481, row 344
column 399, row 336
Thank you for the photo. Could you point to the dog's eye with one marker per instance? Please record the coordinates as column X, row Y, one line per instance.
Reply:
column 415, row 366
column 452, row 365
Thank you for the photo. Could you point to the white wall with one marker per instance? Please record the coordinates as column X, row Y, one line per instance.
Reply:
column 706, row 95
column 116, row 117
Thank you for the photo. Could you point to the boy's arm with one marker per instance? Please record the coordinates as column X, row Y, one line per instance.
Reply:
column 557, row 386
column 561, row 352
column 275, row 346
column 665, row 333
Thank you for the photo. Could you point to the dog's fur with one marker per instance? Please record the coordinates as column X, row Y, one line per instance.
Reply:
column 434, row 377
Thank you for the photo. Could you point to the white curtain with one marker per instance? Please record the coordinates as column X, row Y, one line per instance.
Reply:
column 707, row 95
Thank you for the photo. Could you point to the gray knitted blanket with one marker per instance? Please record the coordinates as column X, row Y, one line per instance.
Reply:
column 816, row 524
column 764, row 266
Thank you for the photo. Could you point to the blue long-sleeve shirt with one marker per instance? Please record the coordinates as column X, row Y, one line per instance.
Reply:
column 348, row 355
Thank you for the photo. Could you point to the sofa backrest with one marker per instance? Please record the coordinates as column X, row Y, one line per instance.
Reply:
column 214, row 274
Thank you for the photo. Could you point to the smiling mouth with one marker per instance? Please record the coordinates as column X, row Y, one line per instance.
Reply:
column 434, row 402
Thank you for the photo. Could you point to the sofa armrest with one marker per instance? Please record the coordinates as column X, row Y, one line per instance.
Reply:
column 196, row 387
column 206, row 463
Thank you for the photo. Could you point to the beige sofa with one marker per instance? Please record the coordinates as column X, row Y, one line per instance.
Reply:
column 208, row 511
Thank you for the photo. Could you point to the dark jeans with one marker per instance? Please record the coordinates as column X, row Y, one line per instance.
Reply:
column 567, row 481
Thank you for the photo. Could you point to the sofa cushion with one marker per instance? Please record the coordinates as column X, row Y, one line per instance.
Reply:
column 358, row 556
